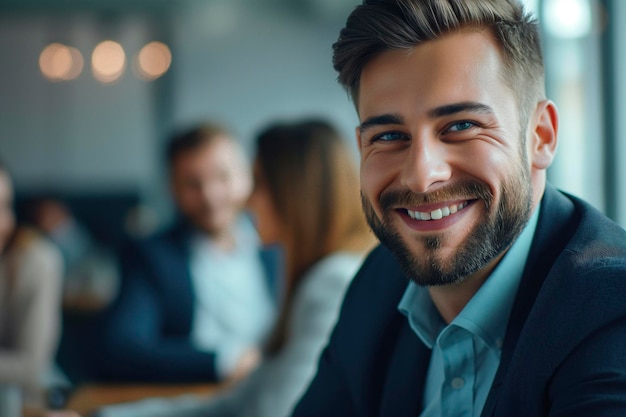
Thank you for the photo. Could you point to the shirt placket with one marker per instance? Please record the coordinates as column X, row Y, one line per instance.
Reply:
column 457, row 392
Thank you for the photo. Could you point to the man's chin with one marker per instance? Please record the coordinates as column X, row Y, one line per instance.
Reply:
column 216, row 227
column 428, row 270
column 435, row 259
column 209, row 228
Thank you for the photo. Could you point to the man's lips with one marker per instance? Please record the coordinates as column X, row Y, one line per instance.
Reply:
column 434, row 217
column 436, row 212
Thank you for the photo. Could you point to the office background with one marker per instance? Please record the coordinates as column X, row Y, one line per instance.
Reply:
column 67, row 125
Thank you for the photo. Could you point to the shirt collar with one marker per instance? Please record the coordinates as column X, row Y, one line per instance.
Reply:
column 486, row 315
column 244, row 235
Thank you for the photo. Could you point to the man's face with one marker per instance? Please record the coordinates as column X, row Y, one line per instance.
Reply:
column 210, row 185
column 446, row 180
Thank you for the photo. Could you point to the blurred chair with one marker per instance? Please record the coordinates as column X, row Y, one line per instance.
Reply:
column 91, row 275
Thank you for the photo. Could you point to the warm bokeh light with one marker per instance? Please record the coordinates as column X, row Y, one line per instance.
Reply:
column 108, row 61
column 153, row 61
column 59, row 62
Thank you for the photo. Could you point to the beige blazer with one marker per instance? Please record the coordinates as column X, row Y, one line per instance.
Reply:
column 30, row 312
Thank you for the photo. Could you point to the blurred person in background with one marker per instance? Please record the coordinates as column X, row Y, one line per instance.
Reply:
column 196, row 297
column 91, row 272
column 31, row 271
column 306, row 199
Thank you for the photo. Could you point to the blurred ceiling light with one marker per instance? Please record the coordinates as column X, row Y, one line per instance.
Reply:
column 108, row 61
column 59, row 62
column 153, row 61
column 568, row 18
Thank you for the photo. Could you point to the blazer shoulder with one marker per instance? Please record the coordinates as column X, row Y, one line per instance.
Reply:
column 594, row 256
column 597, row 238
column 573, row 237
column 168, row 241
column 586, row 284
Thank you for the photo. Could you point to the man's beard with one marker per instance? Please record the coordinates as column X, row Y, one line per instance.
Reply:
column 486, row 240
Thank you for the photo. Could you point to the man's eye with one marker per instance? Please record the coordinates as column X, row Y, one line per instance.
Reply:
column 389, row 137
column 460, row 126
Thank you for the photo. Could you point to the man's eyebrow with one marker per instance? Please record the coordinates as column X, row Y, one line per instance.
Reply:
column 446, row 110
column 383, row 119
column 465, row 106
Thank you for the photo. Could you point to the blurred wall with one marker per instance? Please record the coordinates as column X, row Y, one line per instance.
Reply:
column 243, row 65
column 248, row 65
column 78, row 134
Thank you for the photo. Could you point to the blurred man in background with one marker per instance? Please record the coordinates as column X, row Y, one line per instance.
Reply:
column 194, row 300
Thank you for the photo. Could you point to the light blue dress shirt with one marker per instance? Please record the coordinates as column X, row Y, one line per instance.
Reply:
column 466, row 352
column 233, row 310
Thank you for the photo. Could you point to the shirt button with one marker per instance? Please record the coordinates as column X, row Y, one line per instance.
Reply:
column 457, row 383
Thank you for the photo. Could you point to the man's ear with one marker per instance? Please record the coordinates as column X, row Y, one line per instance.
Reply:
column 543, row 139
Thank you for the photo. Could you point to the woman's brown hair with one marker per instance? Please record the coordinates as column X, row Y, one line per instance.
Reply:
column 4, row 172
column 311, row 176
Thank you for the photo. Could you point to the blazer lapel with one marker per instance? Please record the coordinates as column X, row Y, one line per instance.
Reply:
column 554, row 229
column 404, row 386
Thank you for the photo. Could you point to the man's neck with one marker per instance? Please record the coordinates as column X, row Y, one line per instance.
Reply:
column 451, row 299
column 223, row 240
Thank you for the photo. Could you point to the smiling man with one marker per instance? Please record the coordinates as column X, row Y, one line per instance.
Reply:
column 493, row 293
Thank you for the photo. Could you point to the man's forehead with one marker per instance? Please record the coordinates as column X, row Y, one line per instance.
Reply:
column 459, row 67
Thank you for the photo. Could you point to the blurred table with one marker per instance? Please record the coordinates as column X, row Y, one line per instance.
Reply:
column 89, row 398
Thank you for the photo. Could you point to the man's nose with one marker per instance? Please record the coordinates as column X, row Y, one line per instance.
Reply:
column 425, row 164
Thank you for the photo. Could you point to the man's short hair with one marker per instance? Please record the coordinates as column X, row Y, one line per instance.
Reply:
column 194, row 138
column 380, row 25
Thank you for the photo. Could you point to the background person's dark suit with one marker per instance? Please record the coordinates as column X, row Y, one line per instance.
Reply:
column 146, row 332
column 565, row 349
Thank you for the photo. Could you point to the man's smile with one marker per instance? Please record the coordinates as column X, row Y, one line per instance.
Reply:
column 438, row 213
column 434, row 216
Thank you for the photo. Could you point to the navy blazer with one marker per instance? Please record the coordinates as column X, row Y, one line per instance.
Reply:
column 146, row 332
column 564, row 353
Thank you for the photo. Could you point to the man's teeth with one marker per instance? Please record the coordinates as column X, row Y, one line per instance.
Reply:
column 437, row 214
